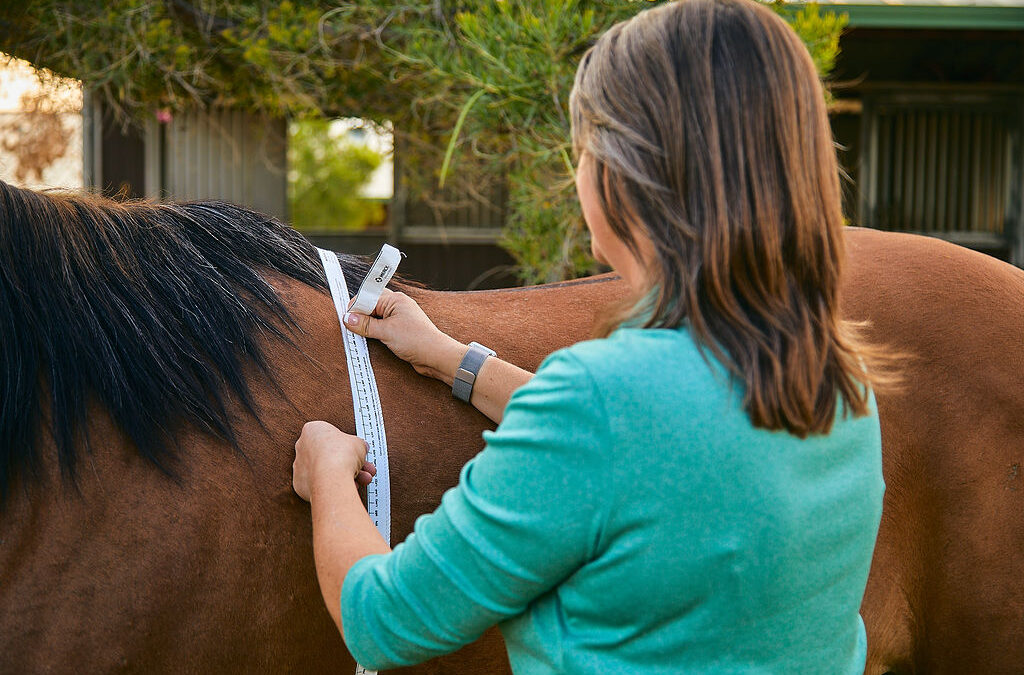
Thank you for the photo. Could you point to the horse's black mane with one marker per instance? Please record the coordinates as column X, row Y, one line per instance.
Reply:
column 149, row 310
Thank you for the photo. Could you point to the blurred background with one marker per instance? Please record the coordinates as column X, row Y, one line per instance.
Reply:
column 441, row 127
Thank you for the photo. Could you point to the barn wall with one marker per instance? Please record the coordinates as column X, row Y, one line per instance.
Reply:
column 930, row 132
column 225, row 154
column 213, row 154
column 442, row 266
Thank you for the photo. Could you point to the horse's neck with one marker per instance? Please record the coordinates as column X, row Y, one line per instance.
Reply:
column 430, row 434
column 229, row 538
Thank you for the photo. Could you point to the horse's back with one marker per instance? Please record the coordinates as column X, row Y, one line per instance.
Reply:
column 945, row 592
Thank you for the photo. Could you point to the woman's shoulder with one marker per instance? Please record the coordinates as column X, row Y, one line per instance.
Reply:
column 639, row 358
column 629, row 348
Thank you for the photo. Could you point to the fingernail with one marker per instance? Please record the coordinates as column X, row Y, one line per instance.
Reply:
column 351, row 319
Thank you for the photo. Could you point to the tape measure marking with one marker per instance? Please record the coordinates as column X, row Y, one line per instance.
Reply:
column 365, row 401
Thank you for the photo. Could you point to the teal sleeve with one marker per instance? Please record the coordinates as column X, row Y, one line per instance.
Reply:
column 528, row 511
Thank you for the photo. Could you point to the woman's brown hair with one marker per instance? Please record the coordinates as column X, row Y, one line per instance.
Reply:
column 707, row 128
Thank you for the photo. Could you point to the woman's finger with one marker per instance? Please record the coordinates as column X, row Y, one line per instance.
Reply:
column 378, row 311
column 382, row 302
column 361, row 324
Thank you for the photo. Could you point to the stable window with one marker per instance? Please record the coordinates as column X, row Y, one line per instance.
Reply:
column 945, row 164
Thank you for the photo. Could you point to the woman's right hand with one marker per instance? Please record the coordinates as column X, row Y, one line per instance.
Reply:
column 407, row 331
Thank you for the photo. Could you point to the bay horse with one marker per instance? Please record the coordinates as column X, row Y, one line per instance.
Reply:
column 159, row 361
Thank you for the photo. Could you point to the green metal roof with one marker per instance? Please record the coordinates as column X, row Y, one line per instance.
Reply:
column 1008, row 15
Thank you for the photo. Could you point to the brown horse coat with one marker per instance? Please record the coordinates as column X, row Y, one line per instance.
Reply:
column 214, row 572
column 945, row 592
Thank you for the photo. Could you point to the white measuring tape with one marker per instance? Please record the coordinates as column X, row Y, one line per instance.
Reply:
column 365, row 398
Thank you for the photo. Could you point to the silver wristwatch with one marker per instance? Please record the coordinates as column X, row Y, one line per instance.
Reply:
column 465, row 376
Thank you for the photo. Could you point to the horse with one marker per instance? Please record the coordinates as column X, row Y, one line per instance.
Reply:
column 159, row 360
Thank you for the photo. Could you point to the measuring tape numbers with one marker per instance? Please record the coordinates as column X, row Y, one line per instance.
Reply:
column 365, row 398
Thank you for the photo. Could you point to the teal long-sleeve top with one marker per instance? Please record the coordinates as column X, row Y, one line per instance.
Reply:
column 626, row 517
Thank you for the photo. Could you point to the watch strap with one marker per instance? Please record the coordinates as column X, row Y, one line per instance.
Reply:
column 469, row 368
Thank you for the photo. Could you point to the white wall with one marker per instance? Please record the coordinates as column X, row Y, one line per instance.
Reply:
column 40, row 127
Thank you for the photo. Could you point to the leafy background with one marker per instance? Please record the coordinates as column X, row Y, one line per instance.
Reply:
column 471, row 88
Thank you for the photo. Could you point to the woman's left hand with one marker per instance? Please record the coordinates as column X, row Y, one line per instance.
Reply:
column 323, row 449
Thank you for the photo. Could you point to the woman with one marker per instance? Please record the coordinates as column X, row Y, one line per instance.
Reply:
column 699, row 489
